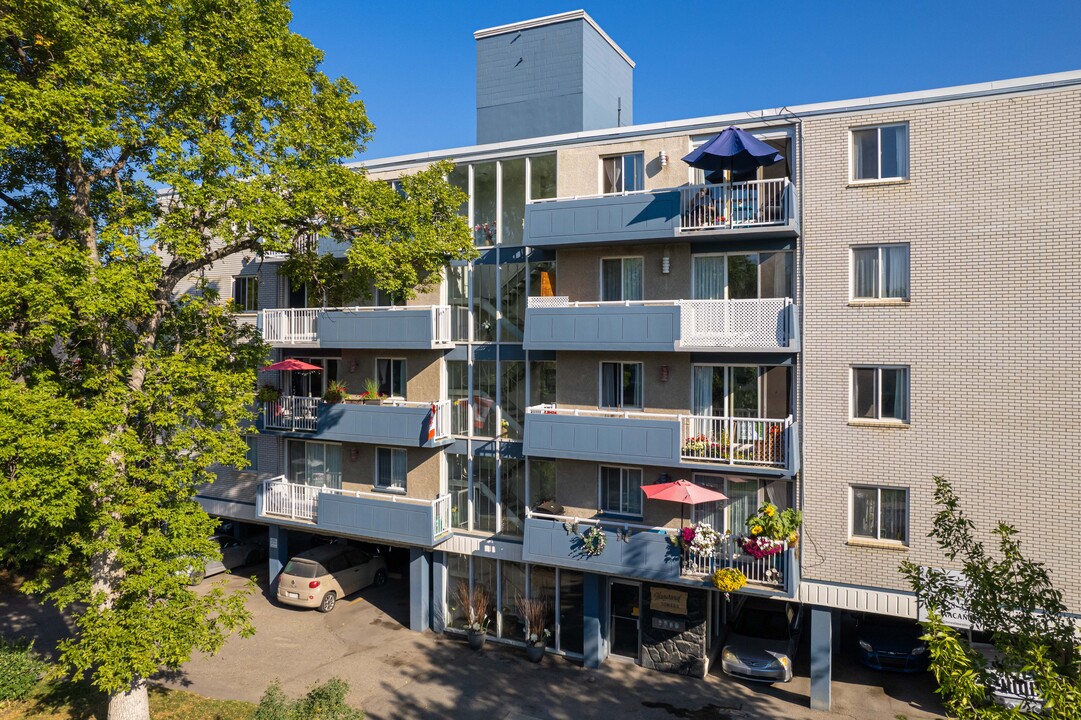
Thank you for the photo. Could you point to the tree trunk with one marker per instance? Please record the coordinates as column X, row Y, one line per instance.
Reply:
column 131, row 705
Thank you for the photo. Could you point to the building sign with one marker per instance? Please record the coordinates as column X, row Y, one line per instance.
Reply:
column 955, row 615
column 666, row 624
column 669, row 601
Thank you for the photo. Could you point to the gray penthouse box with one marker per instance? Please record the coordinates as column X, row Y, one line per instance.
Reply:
column 549, row 76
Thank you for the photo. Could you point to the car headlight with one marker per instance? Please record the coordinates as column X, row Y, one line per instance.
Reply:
column 728, row 656
column 783, row 661
column 866, row 646
column 919, row 650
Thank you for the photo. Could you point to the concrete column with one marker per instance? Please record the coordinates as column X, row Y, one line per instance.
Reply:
column 439, row 591
column 594, row 610
column 821, row 657
column 277, row 552
column 420, row 588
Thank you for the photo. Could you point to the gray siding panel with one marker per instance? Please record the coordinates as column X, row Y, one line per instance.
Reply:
column 393, row 330
column 607, row 439
column 376, row 519
column 612, row 219
column 624, row 328
column 647, row 555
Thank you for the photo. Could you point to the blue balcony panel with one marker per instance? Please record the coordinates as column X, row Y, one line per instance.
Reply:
column 605, row 439
column 647, row 554
column 621, row 328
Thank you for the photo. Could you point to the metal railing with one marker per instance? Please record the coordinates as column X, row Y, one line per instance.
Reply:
column 768, row 570
column 292, row 412
column 733, row 205
column 308, row 242
column 710, row 439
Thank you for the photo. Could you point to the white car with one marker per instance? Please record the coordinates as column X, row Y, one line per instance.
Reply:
column 234, row 553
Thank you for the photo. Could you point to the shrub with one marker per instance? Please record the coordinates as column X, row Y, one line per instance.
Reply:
column 323, row 702
column 20, row 669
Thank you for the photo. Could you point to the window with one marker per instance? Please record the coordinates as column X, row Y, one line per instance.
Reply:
column 880, row 513
column 391, row 375
column 315, row 463
column 621, row 490
column 622, row 173
column 621, row 385
column 880, row 153
column 621, row 279
column 390, row 468
column 246, row 293
column 880, row 393
column 880, row 272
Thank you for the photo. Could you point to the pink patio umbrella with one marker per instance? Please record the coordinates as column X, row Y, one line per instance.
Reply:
column 683, row 492
column 290, row 365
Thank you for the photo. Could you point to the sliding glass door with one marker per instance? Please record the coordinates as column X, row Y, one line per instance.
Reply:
column 315, row 463
column 742, row 276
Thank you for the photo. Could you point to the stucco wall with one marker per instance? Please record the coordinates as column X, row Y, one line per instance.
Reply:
column 422, row 479
column 578, row 379
column 578, row 271
column 423, row 370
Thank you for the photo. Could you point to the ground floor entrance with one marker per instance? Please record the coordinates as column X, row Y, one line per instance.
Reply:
column 624, row 631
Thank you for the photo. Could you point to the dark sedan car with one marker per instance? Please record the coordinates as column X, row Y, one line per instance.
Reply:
column 892, row 644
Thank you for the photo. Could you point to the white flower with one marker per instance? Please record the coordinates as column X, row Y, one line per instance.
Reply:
column 533, row 637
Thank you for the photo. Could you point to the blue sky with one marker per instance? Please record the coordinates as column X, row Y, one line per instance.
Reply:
column 414, row 62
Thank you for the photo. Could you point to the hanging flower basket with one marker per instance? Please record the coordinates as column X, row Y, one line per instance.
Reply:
column 729, row 579
column 593, row 541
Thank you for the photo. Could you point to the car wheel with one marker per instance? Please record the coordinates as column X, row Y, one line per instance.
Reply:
column 329, row 601
column 380, row 578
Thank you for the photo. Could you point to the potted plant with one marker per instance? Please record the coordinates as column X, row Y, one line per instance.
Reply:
column 770, row 529
column 335, row 392
column 268, row 394
column 371, row 392
column 534, row 612
column 474, row 603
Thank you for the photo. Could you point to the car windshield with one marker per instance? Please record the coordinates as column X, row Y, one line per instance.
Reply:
column 754, row 622
column 302, row 568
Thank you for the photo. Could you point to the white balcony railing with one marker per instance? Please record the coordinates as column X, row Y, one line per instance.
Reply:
column 735, row 205
column 291, row 412
column 752, row 323
column 769, row 570
column 761, row 442
column 289, row 326
column 296, row 501
column 308, row 242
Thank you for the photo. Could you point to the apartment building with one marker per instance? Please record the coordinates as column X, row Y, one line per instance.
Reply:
column 891, row 301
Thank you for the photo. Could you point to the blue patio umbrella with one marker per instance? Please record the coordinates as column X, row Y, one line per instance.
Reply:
column 735, row 150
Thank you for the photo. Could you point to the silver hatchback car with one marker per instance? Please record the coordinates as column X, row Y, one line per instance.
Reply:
column 319, row 577
column 763, row 642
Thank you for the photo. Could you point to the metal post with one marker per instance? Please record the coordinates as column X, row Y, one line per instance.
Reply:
column 821, row 657
column 419, row 589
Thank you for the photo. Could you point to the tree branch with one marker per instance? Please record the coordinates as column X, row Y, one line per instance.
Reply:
column 116, row 167
column 13, row 202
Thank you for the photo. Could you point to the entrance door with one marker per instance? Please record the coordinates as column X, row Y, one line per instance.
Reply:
column 625, row 600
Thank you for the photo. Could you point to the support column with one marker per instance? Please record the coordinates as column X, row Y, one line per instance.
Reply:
column 439, row 591
column 277, row 552
column 821, row 657
column 594, row 611
column 420, row 588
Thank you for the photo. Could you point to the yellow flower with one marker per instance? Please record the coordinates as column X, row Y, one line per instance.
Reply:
column 770, row 510
column 756, row 529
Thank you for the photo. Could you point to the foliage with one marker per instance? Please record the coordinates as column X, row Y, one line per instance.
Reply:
column 533, row 612
column 1008, row 596
column 729, row 579
column 761, row 547
column 20, row 669
column 119, row 396
column 371, row 390
column 770, row 523
column 268, row 394
column 475, row 603
column 322, row 702
column 593, row 541
column 335, row 392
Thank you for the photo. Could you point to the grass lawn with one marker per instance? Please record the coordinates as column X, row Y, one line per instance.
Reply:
column 78, row 701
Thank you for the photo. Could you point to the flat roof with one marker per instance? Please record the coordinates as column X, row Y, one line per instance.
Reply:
column 551, row 20
column 756, row 117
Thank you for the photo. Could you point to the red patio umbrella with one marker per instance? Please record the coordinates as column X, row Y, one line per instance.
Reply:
column 291, row 364
column 683, row 492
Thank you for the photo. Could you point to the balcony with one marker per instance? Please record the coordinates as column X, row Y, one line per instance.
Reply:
column 761, row 325
column 373, row 516
column 389, row 422
column 752, row 445
column 415, row 327
column 649, row 553
column 309, row 243
column 758, row 207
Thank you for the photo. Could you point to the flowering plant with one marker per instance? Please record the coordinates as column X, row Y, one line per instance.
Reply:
column 760, row 547
column 773, row 524
column 474, row 603
column 487, row 230
column 729, row 579
column 700, row 537
column 593, row 541
column 704, row 446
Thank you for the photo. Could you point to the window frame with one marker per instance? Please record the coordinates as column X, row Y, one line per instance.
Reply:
column 251, row 299
column 622, row 275
column 852, row 536
column 602, row 495
column 377, row 485
column 852, row 179
column 878, row 418
column 878, row 297
column 622, row 388
column 403, row 377
column 640, row 172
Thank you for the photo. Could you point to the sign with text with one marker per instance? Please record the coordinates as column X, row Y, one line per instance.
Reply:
column 669, row 601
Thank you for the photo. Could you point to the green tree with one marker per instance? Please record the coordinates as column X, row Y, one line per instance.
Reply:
column 1006, row 595
column 118, row 397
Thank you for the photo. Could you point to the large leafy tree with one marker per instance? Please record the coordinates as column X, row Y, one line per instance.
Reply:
column 117, row 397
column 1012, row 599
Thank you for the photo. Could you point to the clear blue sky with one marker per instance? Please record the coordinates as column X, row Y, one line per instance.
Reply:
column 414, row 62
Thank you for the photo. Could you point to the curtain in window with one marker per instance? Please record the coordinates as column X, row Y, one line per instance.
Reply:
column 864, row 512
column 864, row 272
column 632, row 385
column 895, row 271
column 703, row 391
column 865, row 154
column 611, row 280
column 632, row 279
column 863, row 392
column 775, row 275
column 382, row 369
column 893, row 514
column 709, row 277
column 742, row 503
column 632, row 492
column 610, row 385
column 613, row 175
column 894, row 393
column 894, row 151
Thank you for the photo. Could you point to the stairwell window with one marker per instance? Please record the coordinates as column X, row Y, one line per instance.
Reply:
column 621, row 386
column 880, row 153
column 621, row 279
column 880, row 393
column 880, row 513
column 623, row 173
column 246, row 293
column 880, row 272
column 621, row 490
column 390, row 469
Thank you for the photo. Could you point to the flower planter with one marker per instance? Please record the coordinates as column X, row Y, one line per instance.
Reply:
column 535, row 652
column 476, row 638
